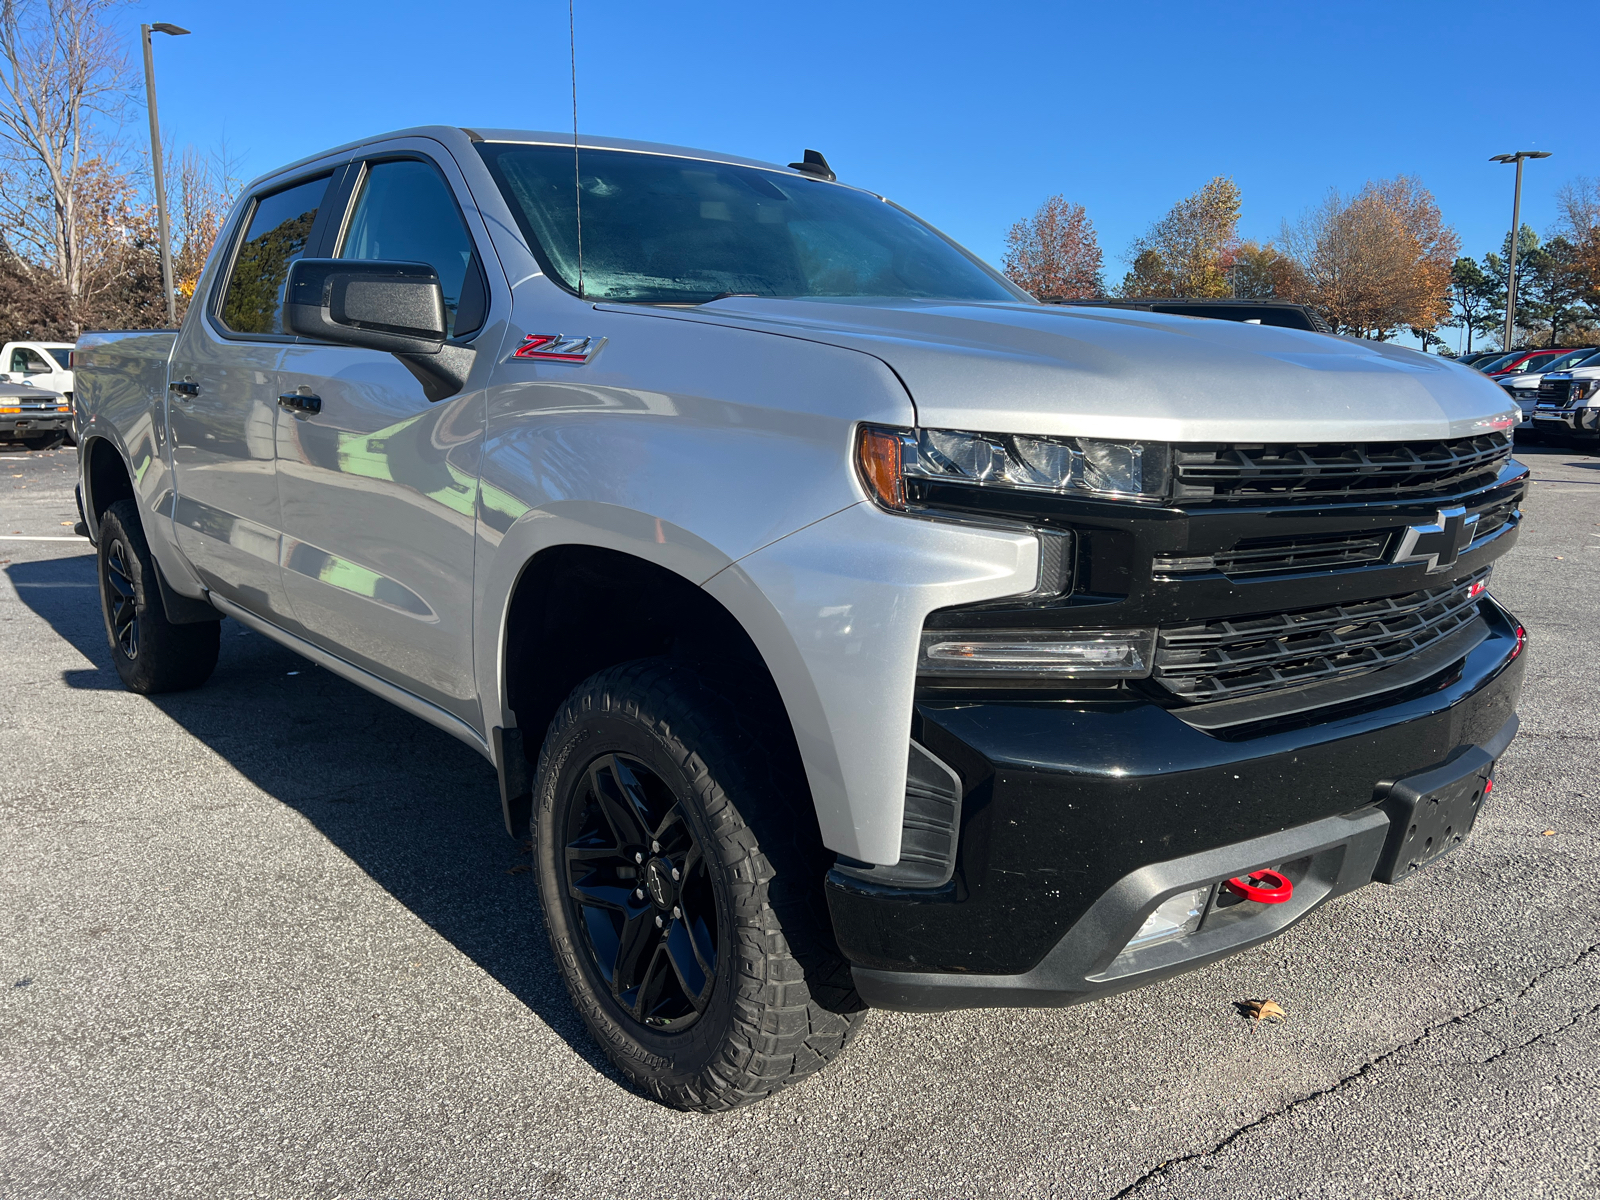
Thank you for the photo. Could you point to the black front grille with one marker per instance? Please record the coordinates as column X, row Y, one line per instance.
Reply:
column 1553, row 392
column 1366, row 471
column 1326, row 552
column 1246, row 656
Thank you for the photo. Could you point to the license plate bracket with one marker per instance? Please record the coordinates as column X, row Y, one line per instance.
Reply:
column 1431, row 814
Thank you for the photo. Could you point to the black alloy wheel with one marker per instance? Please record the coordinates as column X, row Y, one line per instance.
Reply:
column 151, row 653
column 680, row 872
column 641, row 893
column 122, row 599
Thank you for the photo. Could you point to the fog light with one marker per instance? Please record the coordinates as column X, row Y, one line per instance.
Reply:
column 1178, row 916
column 1107, row 653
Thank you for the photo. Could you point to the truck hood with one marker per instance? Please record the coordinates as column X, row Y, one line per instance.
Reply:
column 1117, row 373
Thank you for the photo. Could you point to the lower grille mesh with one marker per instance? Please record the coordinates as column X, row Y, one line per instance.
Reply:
column 1247, row 656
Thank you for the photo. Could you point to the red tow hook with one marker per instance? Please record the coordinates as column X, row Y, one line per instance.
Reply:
column 1265, row 887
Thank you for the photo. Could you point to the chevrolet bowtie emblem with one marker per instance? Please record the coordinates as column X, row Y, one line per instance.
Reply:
column 1439, row 544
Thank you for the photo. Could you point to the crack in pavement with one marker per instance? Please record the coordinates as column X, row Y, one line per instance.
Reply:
column 1340, row 1084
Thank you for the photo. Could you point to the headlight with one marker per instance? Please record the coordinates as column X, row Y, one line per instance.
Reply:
column 888, row 458
column 1582, row 389
column 1056, row 653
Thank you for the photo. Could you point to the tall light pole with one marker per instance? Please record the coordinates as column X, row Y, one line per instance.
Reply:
column 1516, row 227
column 155, row 162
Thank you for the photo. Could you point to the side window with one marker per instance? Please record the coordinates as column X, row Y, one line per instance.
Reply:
column 274, row 238
column 28, row 361
column 406, row 213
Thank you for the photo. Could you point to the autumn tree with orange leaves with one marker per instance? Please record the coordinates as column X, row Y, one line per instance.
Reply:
column 1054, row 254
column 1375, row 262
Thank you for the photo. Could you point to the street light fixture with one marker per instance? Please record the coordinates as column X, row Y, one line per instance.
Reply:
column 155, row 161
column 1516, row 226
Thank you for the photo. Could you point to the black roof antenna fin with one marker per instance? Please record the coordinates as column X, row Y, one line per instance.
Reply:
column 815, row 164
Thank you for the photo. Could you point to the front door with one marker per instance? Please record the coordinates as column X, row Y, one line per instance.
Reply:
column 377, row 488
column 222, row 412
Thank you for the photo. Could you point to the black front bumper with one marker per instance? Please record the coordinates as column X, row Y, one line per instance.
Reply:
column 1078, row 818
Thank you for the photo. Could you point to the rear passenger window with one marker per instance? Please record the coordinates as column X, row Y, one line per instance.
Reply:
column 406, row 213
column 275, row 237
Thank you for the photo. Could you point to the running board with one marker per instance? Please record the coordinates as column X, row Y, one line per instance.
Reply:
column 382, row 688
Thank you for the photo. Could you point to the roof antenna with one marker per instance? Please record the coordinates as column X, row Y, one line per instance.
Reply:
column 815, row 164
column 577, row 183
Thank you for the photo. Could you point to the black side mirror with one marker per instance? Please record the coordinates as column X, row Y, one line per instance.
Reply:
column 392, row 306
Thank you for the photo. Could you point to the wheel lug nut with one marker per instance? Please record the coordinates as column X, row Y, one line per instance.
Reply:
column 659, row 922
column 676, row 874
column 638, row 893
column 655, row 847
column 637, row 857
column 676, row 911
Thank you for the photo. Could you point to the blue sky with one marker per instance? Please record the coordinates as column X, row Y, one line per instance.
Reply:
column 970, row 115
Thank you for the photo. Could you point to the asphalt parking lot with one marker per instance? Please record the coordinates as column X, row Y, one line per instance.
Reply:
column 269, row 938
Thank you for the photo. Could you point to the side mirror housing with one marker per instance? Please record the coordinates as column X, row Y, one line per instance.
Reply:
column 397, row 307
column 393, row 306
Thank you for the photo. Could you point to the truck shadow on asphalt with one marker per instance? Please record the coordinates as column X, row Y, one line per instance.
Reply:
column 415, row 809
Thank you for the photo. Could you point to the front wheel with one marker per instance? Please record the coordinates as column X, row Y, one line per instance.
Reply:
column 151, row 653
column 682, row 893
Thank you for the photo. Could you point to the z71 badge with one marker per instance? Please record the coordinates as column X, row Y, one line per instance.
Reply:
column 558, row 347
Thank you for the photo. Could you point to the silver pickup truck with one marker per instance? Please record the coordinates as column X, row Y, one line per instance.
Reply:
column 848, row 630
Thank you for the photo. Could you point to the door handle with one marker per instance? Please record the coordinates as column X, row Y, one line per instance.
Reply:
column 185, row 387
column 303, row 402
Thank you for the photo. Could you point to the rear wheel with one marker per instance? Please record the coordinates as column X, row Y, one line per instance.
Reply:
column 682, row 893
column 151, row 654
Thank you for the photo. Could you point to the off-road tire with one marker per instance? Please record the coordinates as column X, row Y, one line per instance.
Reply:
column 782, row 1003
column 165, row 657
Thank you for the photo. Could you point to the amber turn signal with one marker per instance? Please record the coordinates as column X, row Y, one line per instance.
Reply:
column 879, row 463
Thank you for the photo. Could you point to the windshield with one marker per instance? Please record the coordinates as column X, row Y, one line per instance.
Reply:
column 1561, row 362
column 1538, row 362
column 1487, row 365
column 662, row 229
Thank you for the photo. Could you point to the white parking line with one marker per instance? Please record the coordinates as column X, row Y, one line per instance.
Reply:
column 15, row 537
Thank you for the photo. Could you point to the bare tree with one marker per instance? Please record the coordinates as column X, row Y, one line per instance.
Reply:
column 60, row 67
column 1377, row 261
column 1055, row 253
column 207, row 184
column 1190, row 251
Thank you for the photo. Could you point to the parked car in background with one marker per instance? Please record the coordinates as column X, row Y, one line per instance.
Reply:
column 1487, row 365
column 1280, row 313
column 45, row 365
column 36, row 417
column 1473, row 357
column 1527, row 360
column 1568, row 407
column 1523, row 384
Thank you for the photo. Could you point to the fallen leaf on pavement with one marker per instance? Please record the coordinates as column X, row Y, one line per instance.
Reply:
column 1548, row 833
column 1264, row 1010
column 518, row 869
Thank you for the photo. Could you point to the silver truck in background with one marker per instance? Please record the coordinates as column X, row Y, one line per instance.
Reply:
column 847, row 629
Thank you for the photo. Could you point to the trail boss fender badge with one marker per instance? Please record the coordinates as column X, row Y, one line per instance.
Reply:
column 557, row 347
column 1439, row 544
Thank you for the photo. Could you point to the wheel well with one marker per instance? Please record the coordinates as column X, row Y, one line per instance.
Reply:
column 108, row 478
column 579, row 609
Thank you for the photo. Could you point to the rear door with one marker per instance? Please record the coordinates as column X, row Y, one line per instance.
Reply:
column 378, row 488
column 222, row 415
